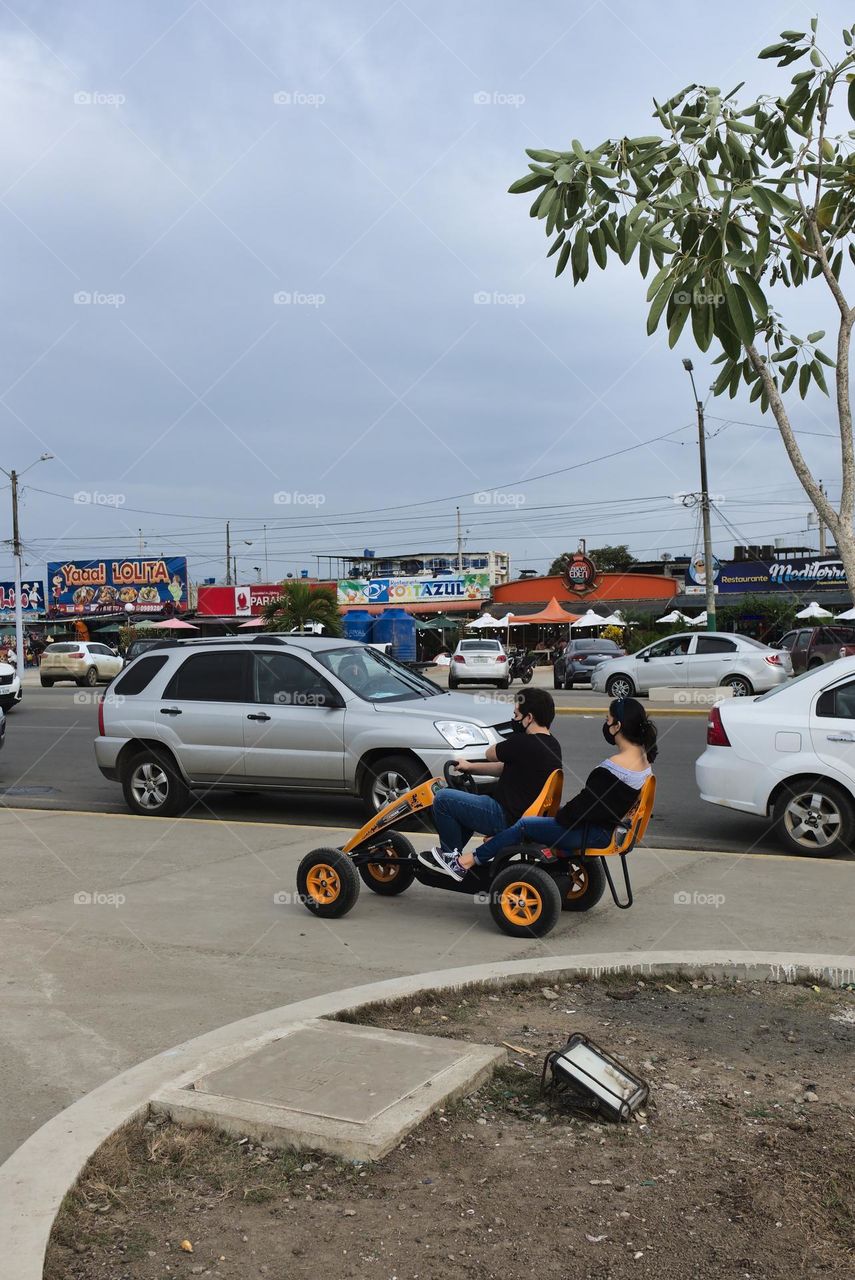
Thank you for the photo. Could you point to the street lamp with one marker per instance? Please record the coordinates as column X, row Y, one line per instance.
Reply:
column 14, row 477
column 129, row 613
column 705, row 502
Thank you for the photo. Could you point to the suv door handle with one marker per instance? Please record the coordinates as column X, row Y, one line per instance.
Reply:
column 840, row 737
column 170, row 711
column 261, row 715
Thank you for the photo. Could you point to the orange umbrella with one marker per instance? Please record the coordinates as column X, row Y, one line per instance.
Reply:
column 552, row 613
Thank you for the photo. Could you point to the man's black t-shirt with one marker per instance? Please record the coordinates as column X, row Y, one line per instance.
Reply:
column 528, row 760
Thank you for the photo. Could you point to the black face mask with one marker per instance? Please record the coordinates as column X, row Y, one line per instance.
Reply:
column 518, row 726
column 608, row 735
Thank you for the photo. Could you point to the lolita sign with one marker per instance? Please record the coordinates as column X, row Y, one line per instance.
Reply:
column 106, row 586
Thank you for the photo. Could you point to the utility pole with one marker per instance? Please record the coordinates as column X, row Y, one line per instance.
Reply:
column 234, row 558
column 705, row 503
column 821, row 525
column 459, row 544
column 142, row 543
column 266, row 566
column 228, row 556
column 16, row 552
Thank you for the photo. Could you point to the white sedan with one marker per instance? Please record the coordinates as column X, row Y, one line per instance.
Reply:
column 789, row 756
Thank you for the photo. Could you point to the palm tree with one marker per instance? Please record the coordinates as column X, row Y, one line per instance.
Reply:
column 299, row 604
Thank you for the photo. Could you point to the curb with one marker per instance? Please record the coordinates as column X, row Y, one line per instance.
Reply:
column 34, row 1180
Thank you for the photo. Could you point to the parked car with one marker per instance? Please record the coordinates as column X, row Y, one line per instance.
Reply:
column 697, row 661
column 479, row 662
column 83, row 662
column 578, row 659
column 281, row 713
column 136, row 647
column 789, row 755
column 810, row 647
column 10, row 686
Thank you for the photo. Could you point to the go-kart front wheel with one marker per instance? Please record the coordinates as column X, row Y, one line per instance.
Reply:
column 327, row 883
column 395, row 874
column 525, row 901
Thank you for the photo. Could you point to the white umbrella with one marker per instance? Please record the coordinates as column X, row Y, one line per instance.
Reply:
column 814, row 610
column 486, row 620
column 848, row 616
column 700, row 621
column 589, row 619
column 615, row 620
column 674, row 616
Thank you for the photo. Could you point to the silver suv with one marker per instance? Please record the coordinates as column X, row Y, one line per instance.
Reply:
column 277, row 713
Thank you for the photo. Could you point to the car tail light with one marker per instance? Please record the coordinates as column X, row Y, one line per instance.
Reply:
column 101, row 732
column 458, row 657
column 501, row 658
column 716, row 736
column 774, row 659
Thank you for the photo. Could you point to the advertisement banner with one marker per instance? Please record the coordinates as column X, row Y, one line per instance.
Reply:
column 237, row 602
column 396, row 591
column 106, row 586
column 32, row 597
column 783, row 575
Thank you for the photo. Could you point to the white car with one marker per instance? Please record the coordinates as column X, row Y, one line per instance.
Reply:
column 695, row 661
column 10, row 686
column 479, row 662
column 83, row 662
column 789, row 756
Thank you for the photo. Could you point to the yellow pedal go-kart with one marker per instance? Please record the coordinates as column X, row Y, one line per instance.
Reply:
column 526, row 886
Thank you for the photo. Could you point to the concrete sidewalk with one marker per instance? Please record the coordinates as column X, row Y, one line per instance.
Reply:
column 124, row 936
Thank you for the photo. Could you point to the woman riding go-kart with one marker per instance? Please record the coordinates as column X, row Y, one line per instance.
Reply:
column 522, row 873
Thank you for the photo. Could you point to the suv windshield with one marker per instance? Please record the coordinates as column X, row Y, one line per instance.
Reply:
column 374, row 677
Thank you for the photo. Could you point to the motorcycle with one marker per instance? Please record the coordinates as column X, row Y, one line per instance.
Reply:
column 521, row 667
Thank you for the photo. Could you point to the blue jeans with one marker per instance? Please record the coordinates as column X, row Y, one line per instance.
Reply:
column 458, row 815
column 545, row 831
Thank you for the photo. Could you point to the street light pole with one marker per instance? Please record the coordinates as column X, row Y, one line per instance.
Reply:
column 705, row 503
column 14, row 476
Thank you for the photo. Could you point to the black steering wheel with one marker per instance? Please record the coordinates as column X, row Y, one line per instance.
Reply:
column 458, row 779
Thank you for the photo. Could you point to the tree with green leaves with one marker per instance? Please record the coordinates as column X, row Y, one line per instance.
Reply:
column 608, row 559
column 729, row 205
column 299, row 604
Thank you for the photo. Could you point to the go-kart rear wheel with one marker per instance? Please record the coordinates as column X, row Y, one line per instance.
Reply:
column 525, row 901
column 582, row 884
column 327, row 883
column 390, row 878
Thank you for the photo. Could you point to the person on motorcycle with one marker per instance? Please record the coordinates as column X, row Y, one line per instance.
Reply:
column 589, row 819
column 521, row 763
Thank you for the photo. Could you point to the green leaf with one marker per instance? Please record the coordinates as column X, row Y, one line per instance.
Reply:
column 816, row 57
column 528, row 183
column 755, row 295
column 579, row 256
column 557, row 245
column 544, row 157
column 818, row 376
column 644, row 258
column 740, row 311
column 702, row 326
column 816, row 335
column 740, row 126
column 789, row 374
column 579, row 150
column 824, row 359
column 659, row 304
column 656, row 281
column 804, row 380
column 756, row 391
column 851, row 99
column 598, row 247
column 678, row 320
column 563, row 258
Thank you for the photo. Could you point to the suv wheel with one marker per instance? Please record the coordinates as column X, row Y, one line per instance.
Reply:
column 388, row 778
column 620, row 687
column 91, row 677
column 152, row 786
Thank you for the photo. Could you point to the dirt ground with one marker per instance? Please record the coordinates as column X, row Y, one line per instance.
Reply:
column 741, row 1166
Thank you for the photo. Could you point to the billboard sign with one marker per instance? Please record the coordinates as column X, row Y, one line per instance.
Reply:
column 237, row 602
column 396, row 591
column 32, row 597
column 783, row 575
column 106, row 586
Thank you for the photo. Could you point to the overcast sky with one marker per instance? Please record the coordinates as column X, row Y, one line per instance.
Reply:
column 184, row 165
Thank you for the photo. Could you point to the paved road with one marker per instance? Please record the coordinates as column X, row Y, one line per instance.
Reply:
column 48, row 763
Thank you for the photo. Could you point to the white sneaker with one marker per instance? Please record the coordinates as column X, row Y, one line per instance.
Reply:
column 442, row 860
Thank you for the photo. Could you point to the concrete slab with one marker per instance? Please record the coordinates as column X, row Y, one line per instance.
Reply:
column 349, row 1090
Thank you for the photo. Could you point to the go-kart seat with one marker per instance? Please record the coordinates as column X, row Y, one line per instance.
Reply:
column 548, row 802
column 625, row 837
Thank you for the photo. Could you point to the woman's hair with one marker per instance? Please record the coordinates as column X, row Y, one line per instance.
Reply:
column 635, row 725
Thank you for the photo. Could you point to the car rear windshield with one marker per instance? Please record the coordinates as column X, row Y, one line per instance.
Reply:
column 374, row 676
column 593, row 646
column 139, row 675
column 62, row 648
column 480, row 646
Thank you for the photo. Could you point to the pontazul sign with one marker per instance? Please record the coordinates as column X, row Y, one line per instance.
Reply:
column 106, row 586
column 788, row 575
